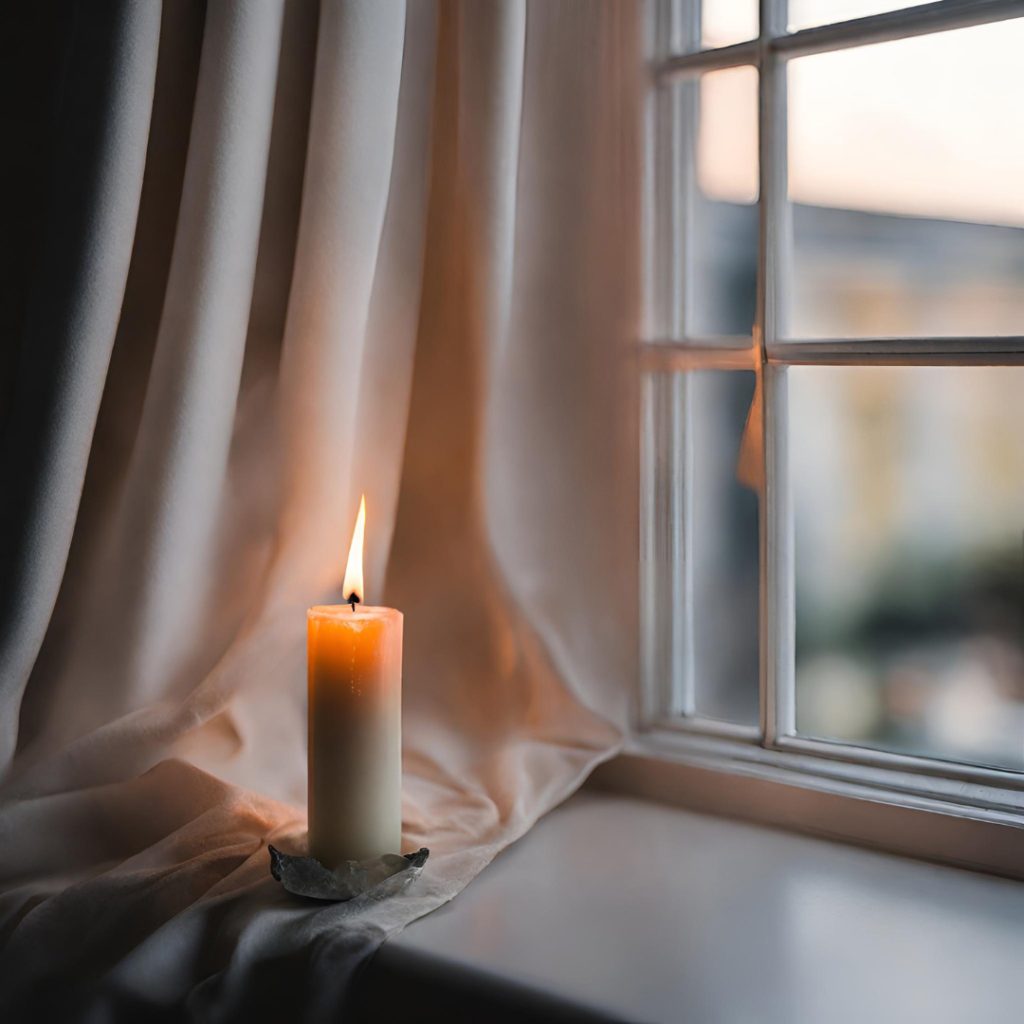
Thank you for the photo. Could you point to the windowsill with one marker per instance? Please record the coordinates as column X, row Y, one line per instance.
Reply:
column 613, row 908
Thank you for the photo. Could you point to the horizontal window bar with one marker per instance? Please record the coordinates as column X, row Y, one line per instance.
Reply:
column 722, row 352
column 883, row 28
column 735, row 353
column 987, row 351
column 701, row 726
column 995, row 792
column 876, row 28
column 717, row 341
column 851, row 753
column 684, row 65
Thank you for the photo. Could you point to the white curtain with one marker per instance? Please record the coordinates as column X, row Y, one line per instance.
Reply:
column 297, row 253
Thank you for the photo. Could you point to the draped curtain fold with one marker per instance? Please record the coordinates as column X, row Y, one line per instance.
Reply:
column 282, row 253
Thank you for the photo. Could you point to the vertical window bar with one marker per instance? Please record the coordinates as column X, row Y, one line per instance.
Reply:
column 684, row 691
column 666, row 680
column 778, row 599
column 676, row 11
column 660, row 543
column 776, row 529
column 658, row 207
column 685, row 114
column 651, row 660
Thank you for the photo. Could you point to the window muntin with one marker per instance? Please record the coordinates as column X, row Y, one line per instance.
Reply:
column 810, row 13
column 675, row 348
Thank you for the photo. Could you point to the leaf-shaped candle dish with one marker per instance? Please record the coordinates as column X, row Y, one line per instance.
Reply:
column 383, row 876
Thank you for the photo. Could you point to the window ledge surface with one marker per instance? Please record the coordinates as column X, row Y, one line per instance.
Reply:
column 614, row 908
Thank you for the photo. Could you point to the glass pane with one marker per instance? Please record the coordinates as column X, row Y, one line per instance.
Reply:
column 724, row 229
column 908, row 486
column 724, row 546
column 906, row 165
column 807, row 13
column 660, row 536
column 724, row 22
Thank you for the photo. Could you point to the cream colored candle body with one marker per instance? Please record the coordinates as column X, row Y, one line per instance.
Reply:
column 355, row 732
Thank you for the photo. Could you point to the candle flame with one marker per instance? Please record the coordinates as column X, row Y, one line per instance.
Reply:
column 353, row 588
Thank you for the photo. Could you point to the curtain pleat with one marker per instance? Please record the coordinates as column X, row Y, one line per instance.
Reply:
column 99, row 124
column 345, row 196
column 387, row 367
column 153, row 586
column 562, row 514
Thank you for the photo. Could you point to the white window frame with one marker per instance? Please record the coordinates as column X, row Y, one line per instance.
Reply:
column 927, row 807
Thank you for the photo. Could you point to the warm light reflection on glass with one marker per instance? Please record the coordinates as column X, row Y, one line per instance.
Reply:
column 354, row 568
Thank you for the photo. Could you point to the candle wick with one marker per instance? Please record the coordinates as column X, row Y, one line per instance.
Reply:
column 353, row 600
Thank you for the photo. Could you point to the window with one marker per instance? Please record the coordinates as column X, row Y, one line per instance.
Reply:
column 832, row 501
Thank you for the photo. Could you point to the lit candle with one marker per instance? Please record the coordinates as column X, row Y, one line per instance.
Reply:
column 355, row 722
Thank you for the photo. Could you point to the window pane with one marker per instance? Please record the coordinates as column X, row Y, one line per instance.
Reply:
column 908, row 486
column 724, row 22
column 660, row 541
column 807, row 13
column 906, row 162
column 725, row 546
column 724, row 229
